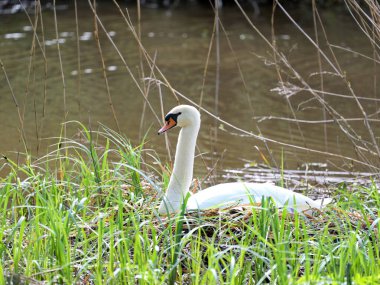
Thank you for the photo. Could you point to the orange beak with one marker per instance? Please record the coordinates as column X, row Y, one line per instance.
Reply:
column 168, row 125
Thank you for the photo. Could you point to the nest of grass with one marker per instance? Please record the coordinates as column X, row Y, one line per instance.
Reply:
column 238, row 220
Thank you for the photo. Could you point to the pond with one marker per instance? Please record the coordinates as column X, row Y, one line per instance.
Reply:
column 57, row 76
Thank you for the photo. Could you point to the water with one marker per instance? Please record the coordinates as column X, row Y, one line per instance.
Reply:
column 179, row 39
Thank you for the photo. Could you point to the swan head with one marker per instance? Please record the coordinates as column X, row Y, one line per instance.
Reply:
column 181, row 116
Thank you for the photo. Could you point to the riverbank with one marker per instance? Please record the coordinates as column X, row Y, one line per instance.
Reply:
column 8, row 7
column 86, row 214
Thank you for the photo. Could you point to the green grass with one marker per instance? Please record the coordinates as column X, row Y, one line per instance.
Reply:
column 86, row 214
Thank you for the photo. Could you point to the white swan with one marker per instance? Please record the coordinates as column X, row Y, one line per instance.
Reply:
column 221, row 195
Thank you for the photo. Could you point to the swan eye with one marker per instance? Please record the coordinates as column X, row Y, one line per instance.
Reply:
column 172, row 116
column 170, row 122
column 168, row 125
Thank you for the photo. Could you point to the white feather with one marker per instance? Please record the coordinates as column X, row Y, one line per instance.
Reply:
column 221, row 195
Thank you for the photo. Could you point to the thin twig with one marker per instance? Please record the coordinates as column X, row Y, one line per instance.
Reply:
column 79, row 75
column 110, row 103
column 21, row 120
column 61, row 68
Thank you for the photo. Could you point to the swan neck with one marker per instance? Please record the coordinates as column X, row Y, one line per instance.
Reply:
column 182, row 175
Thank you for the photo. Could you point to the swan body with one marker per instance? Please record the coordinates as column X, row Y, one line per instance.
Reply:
column 221, row 195
column 240, row 193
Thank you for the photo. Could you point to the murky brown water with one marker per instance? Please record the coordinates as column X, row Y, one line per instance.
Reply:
column 180, row 38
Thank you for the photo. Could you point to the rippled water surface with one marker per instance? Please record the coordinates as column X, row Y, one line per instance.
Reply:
column 53, row 82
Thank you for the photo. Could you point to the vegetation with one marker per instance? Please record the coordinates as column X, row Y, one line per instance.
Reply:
column 86, row 214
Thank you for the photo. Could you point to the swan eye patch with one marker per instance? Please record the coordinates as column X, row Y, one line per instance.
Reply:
column 170, row 122
column 173, row 116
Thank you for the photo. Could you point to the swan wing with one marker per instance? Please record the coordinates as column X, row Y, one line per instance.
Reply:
column 227, row 194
